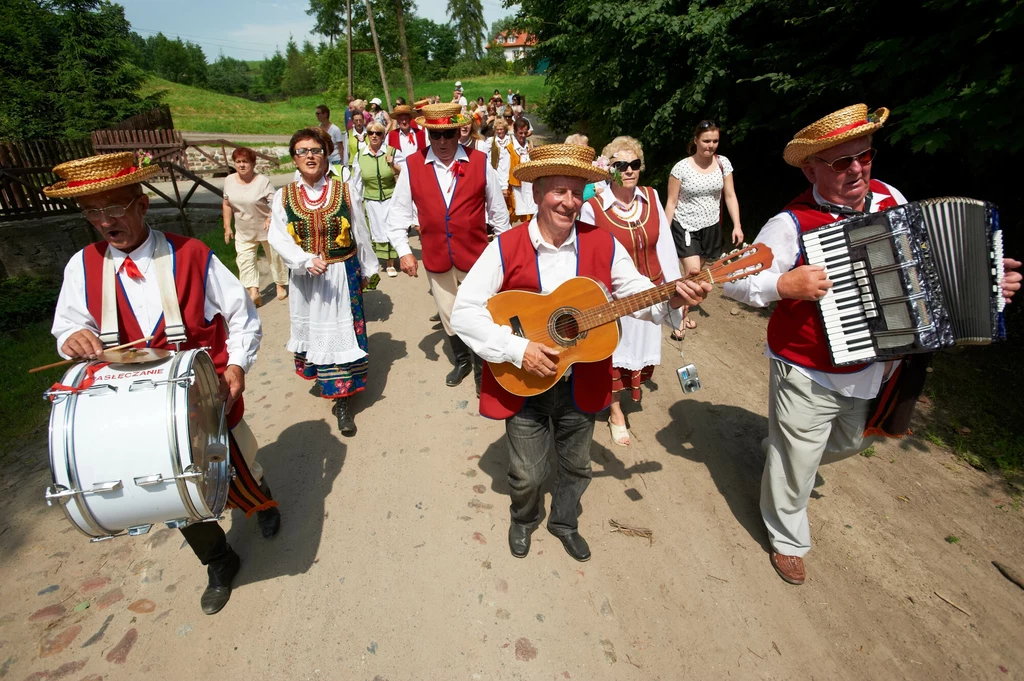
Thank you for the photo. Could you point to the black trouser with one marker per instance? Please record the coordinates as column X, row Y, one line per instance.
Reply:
column 208, row 541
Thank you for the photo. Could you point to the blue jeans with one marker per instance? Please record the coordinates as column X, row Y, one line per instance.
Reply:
column 550, row 414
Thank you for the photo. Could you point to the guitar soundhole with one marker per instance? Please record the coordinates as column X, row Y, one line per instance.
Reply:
column 564, row 327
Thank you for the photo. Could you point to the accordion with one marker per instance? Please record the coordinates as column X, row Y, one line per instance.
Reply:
column 914, row 278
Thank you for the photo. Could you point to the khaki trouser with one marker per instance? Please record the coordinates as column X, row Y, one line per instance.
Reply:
column 248, row 273
column 807, row 425
column 444, row 286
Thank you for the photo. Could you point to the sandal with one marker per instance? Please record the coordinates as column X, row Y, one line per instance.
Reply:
column 678, row 335
column 689, row 323
column 619, row 433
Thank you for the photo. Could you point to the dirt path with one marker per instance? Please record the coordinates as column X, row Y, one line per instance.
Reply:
column 392, row 561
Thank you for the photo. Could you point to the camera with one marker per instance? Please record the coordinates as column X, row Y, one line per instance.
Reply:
column 688, row 378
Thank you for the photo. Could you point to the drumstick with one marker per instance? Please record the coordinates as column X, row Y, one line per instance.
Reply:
column 78, row 359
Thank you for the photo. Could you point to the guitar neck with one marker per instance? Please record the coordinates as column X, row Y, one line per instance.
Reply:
column 609, row 312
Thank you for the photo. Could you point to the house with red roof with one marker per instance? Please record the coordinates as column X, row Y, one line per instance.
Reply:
column 513, row 45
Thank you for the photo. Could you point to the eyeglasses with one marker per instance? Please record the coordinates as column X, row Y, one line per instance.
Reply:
column 843, row 163
column 705, row 124
column 447, row 134
column 374, row 133
column 632, row 165
column 316, row 151
column 96, row 214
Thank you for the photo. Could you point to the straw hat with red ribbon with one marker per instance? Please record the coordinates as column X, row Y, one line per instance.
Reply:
column 570, row 160
column 97, row 174
column 832, row 130
column 442, row 117
column 403, row 110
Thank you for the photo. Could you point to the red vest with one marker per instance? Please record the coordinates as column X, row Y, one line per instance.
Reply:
column 191, row 263
column 395, row 137
column 641, row 239
column 456, row 234
column 591, row 382
column 795, row 332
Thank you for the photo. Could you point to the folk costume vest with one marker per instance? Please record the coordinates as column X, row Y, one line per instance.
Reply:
column 321, row 227
column 191, row 259
column 417, row 139
column 639, row 236
column 454, row 234
column 795, row 332
column 592, row 381
column 378, row 177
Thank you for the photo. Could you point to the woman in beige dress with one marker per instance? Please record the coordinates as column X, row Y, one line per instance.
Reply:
column 247, row 199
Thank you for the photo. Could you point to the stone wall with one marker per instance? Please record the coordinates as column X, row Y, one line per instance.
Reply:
column 197, row 161
column 42, row 247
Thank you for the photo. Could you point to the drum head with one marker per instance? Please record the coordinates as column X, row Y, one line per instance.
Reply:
column 134, row 355
column 209, row 446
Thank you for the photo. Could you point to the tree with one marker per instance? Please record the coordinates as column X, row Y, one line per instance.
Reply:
column 504, row 25
column 298, row 79
column 271, row 73
column 467, row 17
column 230, row 76
column 330, row 18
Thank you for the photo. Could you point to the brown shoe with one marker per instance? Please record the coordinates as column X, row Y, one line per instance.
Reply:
column 254, row 296
column 790, row 568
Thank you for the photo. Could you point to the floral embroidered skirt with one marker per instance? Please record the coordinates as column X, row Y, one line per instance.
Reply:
column 625, row 379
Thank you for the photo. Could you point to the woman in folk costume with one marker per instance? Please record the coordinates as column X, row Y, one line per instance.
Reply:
column 497, row 151
column 375, row 168
column 633, row 215
column 114, row 291
column 519, row 194
column 318, row 227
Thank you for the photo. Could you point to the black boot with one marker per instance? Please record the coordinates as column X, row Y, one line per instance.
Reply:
column 463, row 362
column 270, row 519
column 346, row 424
column 221, row 573
column 478, row 372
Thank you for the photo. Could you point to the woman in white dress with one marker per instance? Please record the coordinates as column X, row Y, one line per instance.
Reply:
column 633, row 215
column 375, row 171
column 696, row 188
column 318, row 227
column 247, row 196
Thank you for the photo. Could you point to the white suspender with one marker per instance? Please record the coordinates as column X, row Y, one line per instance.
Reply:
column 163, row 265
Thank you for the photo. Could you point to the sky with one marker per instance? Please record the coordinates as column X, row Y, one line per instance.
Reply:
column 252, row 29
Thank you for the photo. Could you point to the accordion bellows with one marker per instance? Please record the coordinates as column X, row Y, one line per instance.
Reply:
column 914, row 278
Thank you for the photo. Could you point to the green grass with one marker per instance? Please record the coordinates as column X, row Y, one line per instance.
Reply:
column 224, row 252
column 21, row 393
column 206, row 111
column 952, row 539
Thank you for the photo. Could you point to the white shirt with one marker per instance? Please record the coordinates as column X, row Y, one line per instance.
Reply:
column 340, row 144
column 293, row 255
column 782, row 235
column 504, row 157
column 403, row 213
column 224, row 296
column 471, row 320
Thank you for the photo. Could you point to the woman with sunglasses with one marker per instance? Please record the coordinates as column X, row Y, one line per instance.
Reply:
column 377, row 173
column 696, row 189
column 633, row 215
column 318, row 227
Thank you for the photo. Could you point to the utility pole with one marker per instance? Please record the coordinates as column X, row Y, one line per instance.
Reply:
column 380, row 59
column 348, row 24
column 400, row 16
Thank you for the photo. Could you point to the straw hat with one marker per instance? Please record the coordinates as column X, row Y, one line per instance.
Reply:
column 403, row 109
column 832, row 130
column 572, row 160
column 442, row 117
column 97, row 174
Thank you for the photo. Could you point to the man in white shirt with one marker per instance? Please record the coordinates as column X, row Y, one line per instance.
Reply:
column 451, row 193
column 213, row 311
column 340, row 140
column 539, row 256
column 817, row 411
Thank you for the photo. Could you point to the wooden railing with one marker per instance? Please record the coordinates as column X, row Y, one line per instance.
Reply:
column 27, row 167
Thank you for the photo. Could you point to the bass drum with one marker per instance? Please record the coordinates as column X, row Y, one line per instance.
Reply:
column 139, row 445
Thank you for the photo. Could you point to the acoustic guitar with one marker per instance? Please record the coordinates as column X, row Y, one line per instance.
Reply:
column 580, row 318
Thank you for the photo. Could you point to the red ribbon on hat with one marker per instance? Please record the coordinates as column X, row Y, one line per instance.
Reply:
column 438, row 121
column 845, row 128
column 81, row 183
column 90, row 378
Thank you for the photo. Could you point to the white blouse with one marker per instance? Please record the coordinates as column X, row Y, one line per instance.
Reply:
column 700, row 194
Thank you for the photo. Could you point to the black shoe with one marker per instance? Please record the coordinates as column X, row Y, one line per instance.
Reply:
column 221, row 573
column 519, row 539
column 463, row 362
column 436, row 318
column 346, row 424
column 270, row 519
column 575, row 546
column 478, row 372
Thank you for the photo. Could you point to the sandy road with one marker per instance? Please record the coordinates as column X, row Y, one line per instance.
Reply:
column 392, row 562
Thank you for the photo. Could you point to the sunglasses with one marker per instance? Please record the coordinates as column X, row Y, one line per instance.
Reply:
column 704, row 125
column 373, row 133
column 447, row 134
column 843, row 163
column 632, row 165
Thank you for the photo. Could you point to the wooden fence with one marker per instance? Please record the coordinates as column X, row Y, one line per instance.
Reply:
column 26, row 167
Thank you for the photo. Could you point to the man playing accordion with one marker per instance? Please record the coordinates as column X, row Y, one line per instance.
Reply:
column 817, row 411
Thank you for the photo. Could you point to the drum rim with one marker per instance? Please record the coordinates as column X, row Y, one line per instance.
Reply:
column 221, row 499
column 174, row 451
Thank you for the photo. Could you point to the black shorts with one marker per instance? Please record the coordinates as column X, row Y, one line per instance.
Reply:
column 707, row 242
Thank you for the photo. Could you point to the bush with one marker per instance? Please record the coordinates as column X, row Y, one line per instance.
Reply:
column 26, row 300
